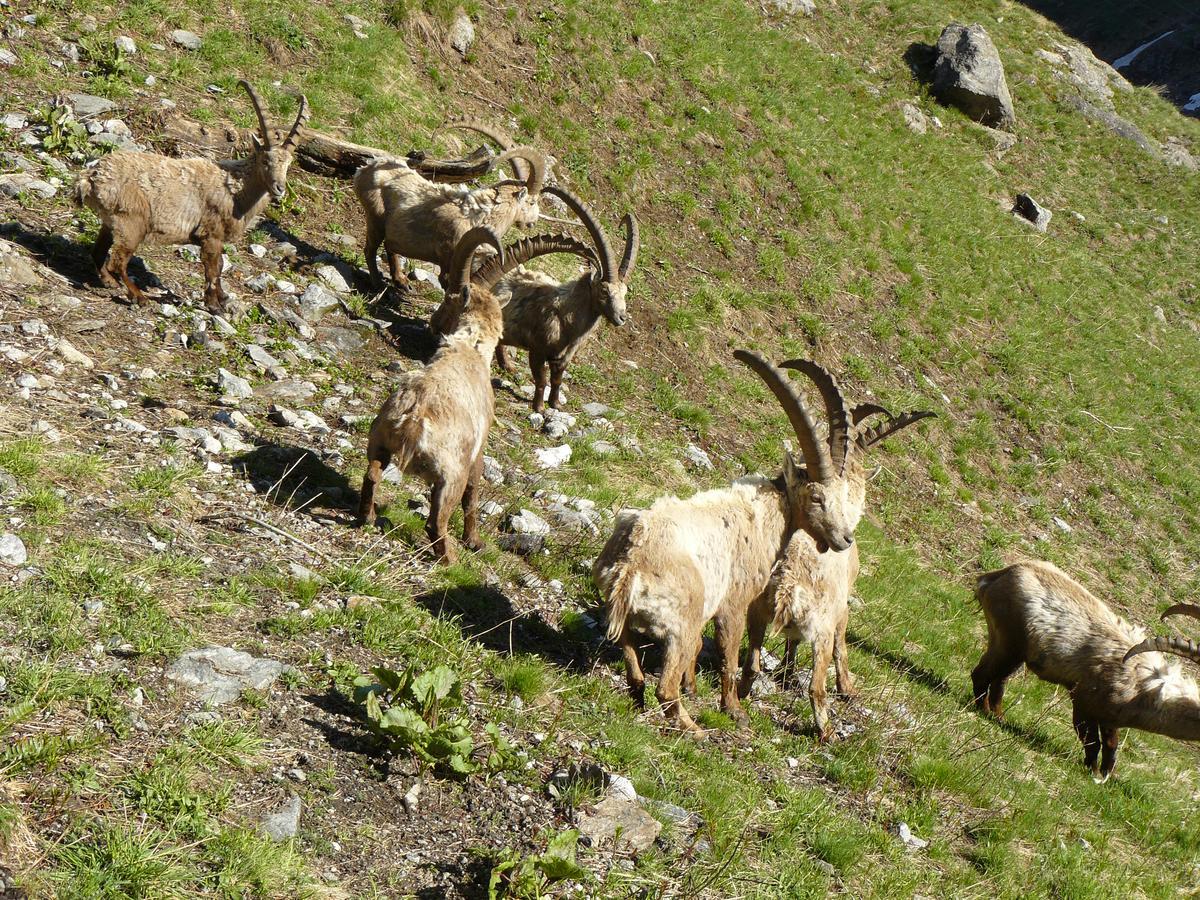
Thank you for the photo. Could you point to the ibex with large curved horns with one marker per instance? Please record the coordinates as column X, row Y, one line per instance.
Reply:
column 808, row 598
column 1118, row 678
column 413, row 217
column 553, row 319
column 669, row 569
column 145, row 196
column 436, row 423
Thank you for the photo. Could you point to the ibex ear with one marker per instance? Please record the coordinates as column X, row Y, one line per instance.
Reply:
column 255, row 144
column 522, row 193
column 794, row 477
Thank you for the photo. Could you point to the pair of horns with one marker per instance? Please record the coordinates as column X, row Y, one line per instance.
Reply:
column 610, row 269
column 529, row 164
column 459, row 268
column 1179, row 646
column 289, row 143
column 526, row 249
column 825, row 463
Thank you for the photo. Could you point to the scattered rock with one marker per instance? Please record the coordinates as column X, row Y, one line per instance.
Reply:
column 12, row 550
column 792, row 7
column 219, row 675
column 462, row 33
column 596, row 410
column 284, row 822
column 14, row 184
column 68, row 352
column 333, row 278
column 968, row 74
column 697, row 457
column 552, row 457
column 7, row 58
column 262, row 360
column 521, row 544
column 605, row 448
column 527, row 522
column 1061, row 524
column 492, row 472
column 186, row 39
column 622, row 822
column 125, row 44
column 290, row 390
column 1114, row 123
column 316, row 301
column 1175, row 153
column 233, row 386
column 1029, row 210
column 915, row 119
column 911, row 841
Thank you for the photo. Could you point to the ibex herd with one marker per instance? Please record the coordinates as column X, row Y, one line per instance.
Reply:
column 763, row 553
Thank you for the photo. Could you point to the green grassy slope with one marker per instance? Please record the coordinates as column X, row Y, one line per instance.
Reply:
column 785, row 207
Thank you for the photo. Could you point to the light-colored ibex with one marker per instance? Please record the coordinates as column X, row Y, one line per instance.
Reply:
column 808, row 598
column 411, row 216
column 436, row 423
column 553, row 319
column 668, row 570
column 147, row 197
column 1038, row 615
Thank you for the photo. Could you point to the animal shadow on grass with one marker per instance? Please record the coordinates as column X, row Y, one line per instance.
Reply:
column 295, row 478
column 70, row 258
column 911, row 670
column 485, row 614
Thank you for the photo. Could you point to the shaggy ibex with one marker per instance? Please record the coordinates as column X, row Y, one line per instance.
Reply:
column 669, row 569
column 808, row 598
column 553, row 319
column 144, row 196
column 413, row 217
column 1037, row 615
column 437, row 421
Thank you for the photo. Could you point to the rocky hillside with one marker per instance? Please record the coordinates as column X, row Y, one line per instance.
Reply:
column 189, row 611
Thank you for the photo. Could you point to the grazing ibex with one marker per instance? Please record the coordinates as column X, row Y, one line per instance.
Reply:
column 1038, row 615
column 669, row 569
column 553, row 319
column 411, row 216
column 145, row 196
column 436, row 423
column 808, row 598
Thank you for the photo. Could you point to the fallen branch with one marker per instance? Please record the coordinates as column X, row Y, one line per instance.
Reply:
column 215, row 517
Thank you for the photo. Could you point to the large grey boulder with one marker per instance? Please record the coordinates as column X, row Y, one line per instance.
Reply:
column 219, row 675
column 968, row 74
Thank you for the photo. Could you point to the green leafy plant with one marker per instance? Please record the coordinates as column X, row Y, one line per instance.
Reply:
column 107, row 61
column 529, row 877
column 409, row 711
column 65, row 133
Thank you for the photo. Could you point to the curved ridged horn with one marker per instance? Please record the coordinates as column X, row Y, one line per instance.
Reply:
column 459, row 268
column 1178, row 646
column 865, row 411
column 871, row 436
column 536, row 179
column 608, row 259
column 835, row 409
column 501, row 139
column 524, row 250
column 301, row 117
column 1182, row 609
column 257, row 104
column 815, row 456
column 632, row 237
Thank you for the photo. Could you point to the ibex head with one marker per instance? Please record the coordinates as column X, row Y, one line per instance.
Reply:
column 610, row 280
column 273, row 160
column 828, row 493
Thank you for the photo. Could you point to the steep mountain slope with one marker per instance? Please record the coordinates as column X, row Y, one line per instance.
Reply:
column 786, row 207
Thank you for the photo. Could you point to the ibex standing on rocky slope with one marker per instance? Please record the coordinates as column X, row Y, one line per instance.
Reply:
column 1038, row 615
column 145, row 196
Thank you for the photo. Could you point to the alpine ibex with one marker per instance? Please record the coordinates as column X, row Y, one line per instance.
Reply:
column 553, row 319
column 1038, row 615
column 436, row 423
column 145, row 196
column 411, row 216
column 808, row 598
column 669, row 569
